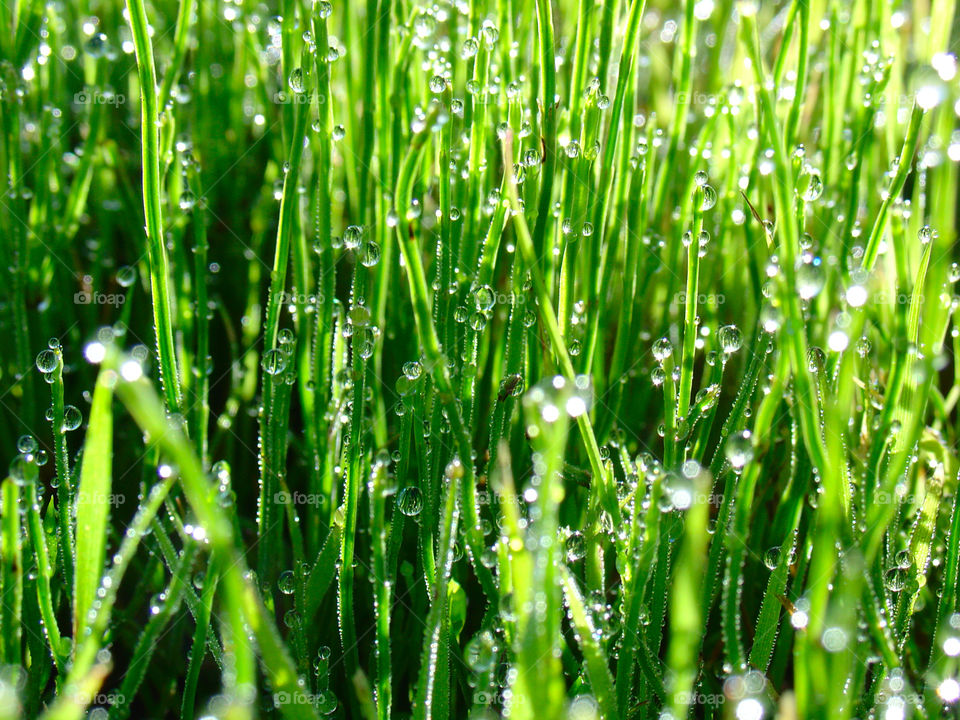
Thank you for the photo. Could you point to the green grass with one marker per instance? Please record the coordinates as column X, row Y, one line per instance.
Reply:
column 530, row 358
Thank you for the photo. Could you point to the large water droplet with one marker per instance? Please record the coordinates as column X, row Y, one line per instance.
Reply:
column 410, row 501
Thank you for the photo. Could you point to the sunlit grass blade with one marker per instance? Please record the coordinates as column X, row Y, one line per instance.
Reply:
column 93, row 503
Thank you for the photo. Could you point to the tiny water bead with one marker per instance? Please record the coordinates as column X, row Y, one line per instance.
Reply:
column 739, row 449
column 287, row 582
column 469, row 48
column 412, row 370
column 810, row 185
column 352, row 236
column 23, row 469
column 706, row 398
column 771, row 558
column 481, row 652
column 816, row 359
column 658, row 376
column 410, row 501
column 47, row 361
column 510, row 386
column 708, row 198
column 97, row 45
column 478, row 321
column 325, row 702
column 370, row 254
column 730, row 338
column 484, row 298
column 895, row 579
column 296, row 80
column 662, row 349
column 72, row 418
column 126, row 276
column 810, row 279
column 681, row 487
column 405, row 388
column 575, row 546
column 274, row 361
column 359, row 315
column 187, row 200
column 553, row 397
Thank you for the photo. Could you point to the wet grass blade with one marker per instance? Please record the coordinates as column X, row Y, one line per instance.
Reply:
column 93, row 503
column 598, row 668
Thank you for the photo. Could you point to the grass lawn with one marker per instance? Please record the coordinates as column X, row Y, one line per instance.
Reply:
column 538, row 359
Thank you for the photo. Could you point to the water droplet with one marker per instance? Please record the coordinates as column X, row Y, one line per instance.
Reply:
column 484, row 298
column 730, row 338
column 478, row 321
column 71, row 418
column 410, row 501
column 47, row 361
column 816, row 359
column 296, row 80
column 680, row 487
column 575, row 547
column 481, row 652
column 810, row 279
column 771, row 558
column 287, row 582
column 895, row 579
column 739, row 449
column 662, row 349
column 370, row 254
column 352, row 236
column 274, row 361
column 126, row 276
column 810, row 184
column 469, row 49
column 325, row 702
column 709, row 198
